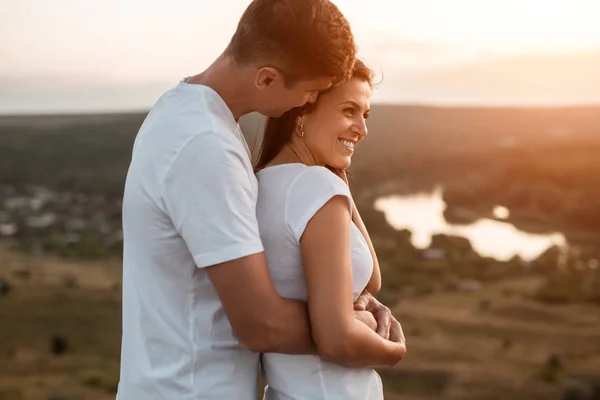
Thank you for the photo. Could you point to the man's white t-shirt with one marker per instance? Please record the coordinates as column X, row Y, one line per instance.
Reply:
column 189, row 203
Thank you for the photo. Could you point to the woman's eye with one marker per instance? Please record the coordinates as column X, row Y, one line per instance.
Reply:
column 349, row 111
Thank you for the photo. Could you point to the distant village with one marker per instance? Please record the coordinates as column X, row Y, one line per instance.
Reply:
column 39, row 220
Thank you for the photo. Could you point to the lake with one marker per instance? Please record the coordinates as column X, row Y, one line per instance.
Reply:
column 423, row 215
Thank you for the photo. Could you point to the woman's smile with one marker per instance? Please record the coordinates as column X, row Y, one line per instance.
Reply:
column 348, row 144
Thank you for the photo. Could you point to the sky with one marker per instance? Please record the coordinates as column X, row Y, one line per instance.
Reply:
column 90, row 55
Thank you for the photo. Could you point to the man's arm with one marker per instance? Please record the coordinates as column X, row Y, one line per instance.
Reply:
column 262, row 320
column 266, row 322
column 209, row 197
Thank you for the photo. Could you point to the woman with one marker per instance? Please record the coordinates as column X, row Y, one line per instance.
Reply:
column 317, row 247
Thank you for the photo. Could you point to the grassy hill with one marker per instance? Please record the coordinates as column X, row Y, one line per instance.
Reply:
column 528, row 332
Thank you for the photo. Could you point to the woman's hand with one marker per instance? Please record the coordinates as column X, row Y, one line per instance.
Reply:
column 382, row 314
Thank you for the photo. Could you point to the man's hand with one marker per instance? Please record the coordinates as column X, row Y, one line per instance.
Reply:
column 382, row 314
column 396, row 333
column 366, row 318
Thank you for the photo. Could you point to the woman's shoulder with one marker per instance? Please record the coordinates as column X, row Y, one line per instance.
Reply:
column 317, row 178
column 297, row 173
column 308, row 193
column 299, row 180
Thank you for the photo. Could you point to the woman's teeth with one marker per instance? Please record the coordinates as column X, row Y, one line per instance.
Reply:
column 347, row 144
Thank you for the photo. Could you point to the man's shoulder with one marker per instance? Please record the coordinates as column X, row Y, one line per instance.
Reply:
column 192, row 104
column 188, row 125
column 181, row 125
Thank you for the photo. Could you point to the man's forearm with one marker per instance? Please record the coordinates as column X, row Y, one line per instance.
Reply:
column 289, row 328
column 291, row 333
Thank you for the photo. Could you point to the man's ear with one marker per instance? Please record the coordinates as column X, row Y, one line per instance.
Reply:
column 266, row 77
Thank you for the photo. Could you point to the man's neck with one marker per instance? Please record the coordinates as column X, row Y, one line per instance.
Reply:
column 226, row 78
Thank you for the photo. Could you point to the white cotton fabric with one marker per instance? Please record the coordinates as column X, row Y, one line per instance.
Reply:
column 189, row 203
column 289, row 196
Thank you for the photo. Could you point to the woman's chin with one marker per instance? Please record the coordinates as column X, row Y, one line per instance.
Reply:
column 341, row 163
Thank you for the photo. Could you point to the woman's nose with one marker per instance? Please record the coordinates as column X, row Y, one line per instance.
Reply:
column 361, row 128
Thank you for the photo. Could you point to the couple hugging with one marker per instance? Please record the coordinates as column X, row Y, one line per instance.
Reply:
column 230, row 268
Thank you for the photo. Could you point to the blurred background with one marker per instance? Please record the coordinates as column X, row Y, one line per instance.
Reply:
column 479, row 183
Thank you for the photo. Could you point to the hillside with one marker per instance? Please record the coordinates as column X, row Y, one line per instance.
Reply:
column 477, row 328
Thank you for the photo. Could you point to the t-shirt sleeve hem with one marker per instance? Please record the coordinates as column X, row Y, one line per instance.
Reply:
column 228, row 254
column 300, row 227
column 314, row 187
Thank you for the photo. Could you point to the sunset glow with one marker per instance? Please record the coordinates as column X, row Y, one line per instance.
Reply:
column 61, row 47
column 496, row 26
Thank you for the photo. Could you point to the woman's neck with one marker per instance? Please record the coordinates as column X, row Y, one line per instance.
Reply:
column 294, row 152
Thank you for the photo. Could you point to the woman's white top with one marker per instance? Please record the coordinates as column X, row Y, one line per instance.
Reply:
column 289, row 195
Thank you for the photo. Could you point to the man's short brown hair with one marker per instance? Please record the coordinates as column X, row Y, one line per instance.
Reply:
column 301, row 38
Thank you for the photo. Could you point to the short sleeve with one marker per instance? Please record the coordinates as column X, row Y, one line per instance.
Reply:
column 211, row 200
column 310, row 191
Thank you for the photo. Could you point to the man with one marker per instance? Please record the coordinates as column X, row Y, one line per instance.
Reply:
column 198, row 302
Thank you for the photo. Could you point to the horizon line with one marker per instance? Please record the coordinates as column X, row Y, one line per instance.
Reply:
column 437, row 105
